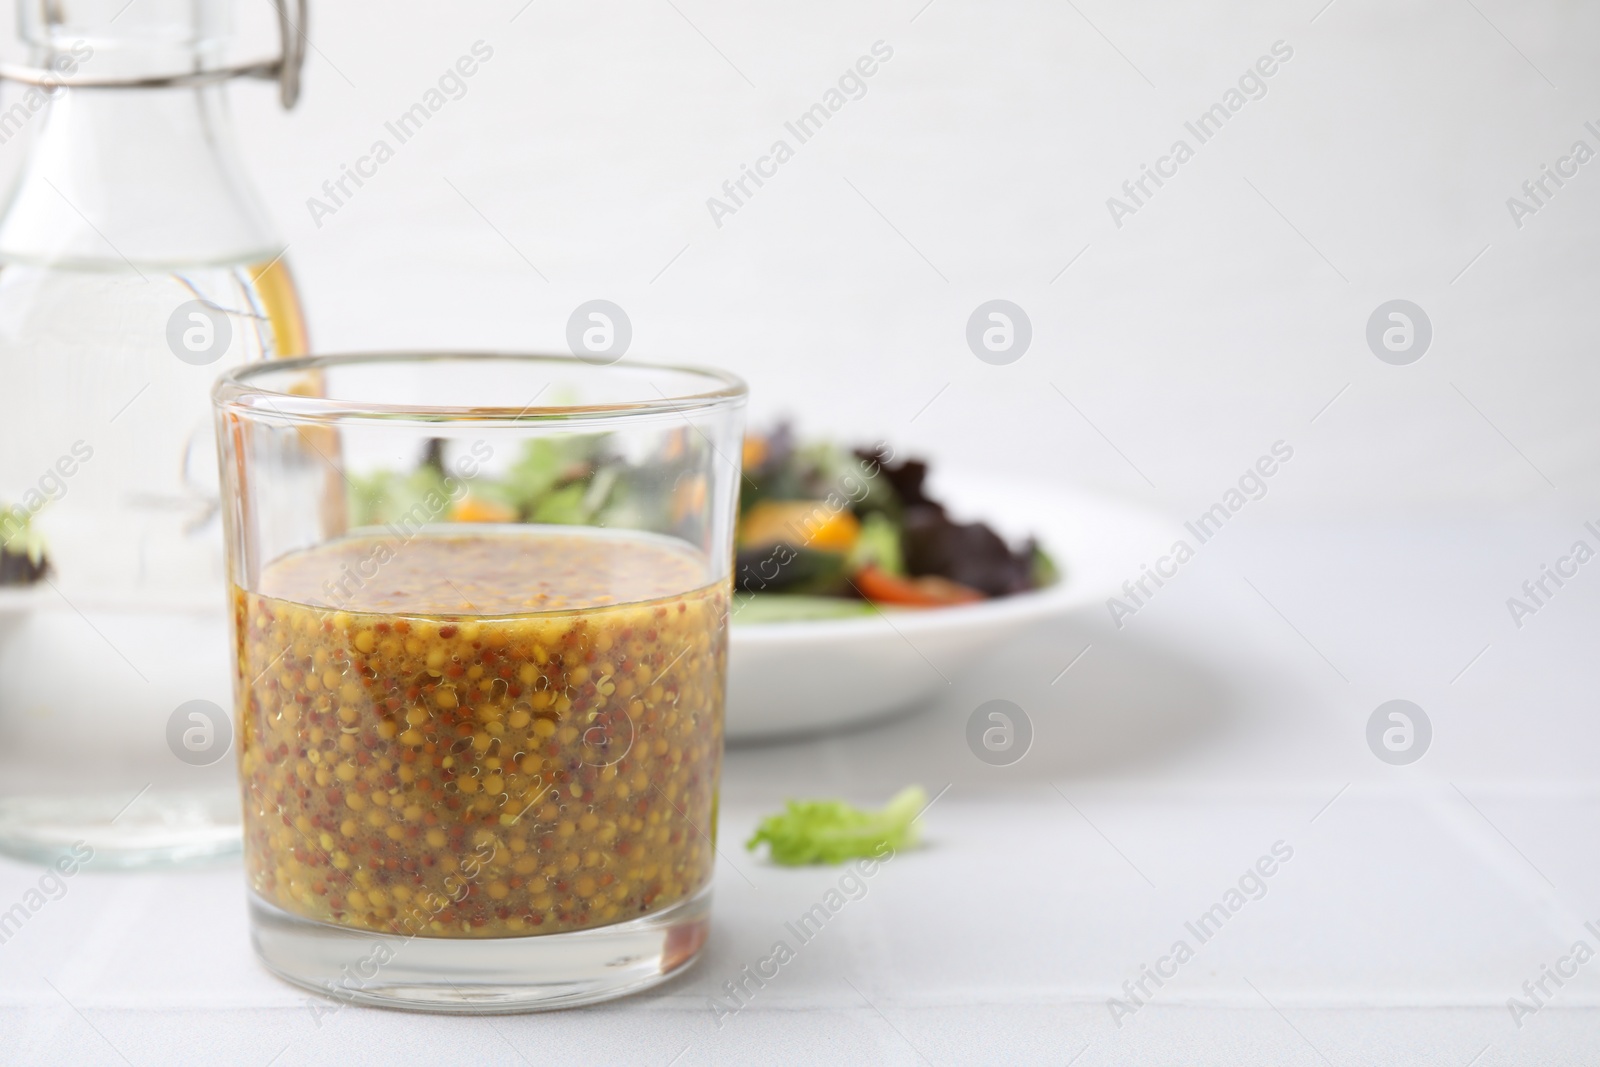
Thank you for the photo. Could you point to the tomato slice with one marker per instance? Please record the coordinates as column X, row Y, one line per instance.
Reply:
column 929, row 591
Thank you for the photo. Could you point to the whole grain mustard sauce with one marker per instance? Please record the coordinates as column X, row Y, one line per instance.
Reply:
column 493, row 735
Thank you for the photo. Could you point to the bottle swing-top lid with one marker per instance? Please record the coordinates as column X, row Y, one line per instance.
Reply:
column 285, row 69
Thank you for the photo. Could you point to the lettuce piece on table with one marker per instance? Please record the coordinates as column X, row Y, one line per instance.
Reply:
column 832, row 831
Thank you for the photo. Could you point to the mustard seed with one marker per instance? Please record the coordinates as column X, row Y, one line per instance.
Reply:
column 503, row 773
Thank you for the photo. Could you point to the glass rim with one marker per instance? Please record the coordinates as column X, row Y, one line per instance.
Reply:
column 238, row 390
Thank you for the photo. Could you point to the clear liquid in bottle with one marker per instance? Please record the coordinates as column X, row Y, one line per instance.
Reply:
column 135, row 266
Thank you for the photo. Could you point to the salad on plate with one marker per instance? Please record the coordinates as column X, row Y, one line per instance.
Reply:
column 828, row 533
column 824, row 532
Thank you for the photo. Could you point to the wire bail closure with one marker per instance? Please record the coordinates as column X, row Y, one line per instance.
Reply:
column 285, row 70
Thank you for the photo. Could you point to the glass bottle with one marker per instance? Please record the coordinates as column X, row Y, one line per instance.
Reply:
column 135, row 264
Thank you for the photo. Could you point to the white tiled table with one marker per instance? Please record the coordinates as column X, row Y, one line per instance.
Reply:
column 1166, row 761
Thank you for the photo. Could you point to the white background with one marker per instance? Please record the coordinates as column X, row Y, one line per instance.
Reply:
column 1222, row 317
column 1193, row 337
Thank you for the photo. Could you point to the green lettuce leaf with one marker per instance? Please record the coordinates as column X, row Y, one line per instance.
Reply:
column 879, row 545
column 758, row 608
column 832, row 831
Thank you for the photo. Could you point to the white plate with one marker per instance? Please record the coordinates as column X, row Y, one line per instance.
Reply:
column 795, row 678
column 792, row 678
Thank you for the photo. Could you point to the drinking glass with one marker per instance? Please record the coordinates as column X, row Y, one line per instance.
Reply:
column 479, row 615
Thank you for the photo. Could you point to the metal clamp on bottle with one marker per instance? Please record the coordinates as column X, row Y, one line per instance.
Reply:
column 285, row 70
